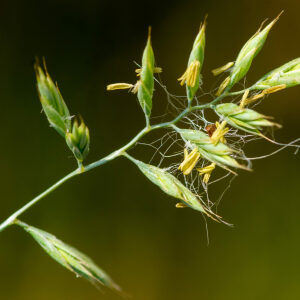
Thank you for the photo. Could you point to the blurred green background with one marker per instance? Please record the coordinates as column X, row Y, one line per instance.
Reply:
column 113, row 213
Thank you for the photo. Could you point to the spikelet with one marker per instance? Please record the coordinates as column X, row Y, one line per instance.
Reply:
column 244, row 119
column 287, row 75
column 69, row 257
column 192, row 76
column 145, row 87
column 220, row 154
column 171, row 185
column 248, row 53
column 78, row 140
column 52, row 101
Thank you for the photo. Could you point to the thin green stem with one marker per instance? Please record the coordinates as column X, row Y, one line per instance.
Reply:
column 212, row 103
column 113, row 155
column 122, row 151
column 13, row 217
column 118, row 152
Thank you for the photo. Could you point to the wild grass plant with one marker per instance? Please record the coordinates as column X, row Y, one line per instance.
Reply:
column 205, row 145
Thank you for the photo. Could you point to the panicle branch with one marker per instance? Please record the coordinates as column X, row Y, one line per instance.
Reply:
column 205, row 148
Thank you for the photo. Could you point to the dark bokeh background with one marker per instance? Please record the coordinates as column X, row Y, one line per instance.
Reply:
column 113, row 213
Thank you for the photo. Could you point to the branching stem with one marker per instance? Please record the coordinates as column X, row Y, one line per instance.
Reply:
column 11, row 220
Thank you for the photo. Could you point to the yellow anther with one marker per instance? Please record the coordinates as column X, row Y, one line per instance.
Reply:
column 222, row 69
column 180, row 205
column 206, row 171
column 274, row 89
column 119, row 86
column 244, row 98
column 218, row 135
column 223, row 86
column 189, row 162
column 185, row 153
column 270, row 90
column 190, row 75
column 155, row 70
column 253, row 98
